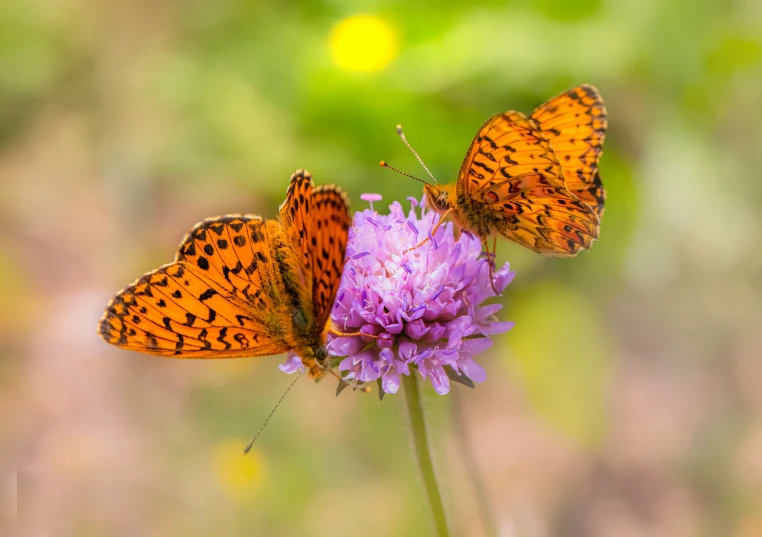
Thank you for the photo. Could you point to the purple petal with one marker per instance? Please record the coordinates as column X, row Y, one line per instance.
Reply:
column 496, row 327
column 416, row 330
column 408, row 350
column 439, row 292
column 345, row 346
column 385, row 341
column 455, row 340
column 439, row 380
column 292, row 364
column 473, row 370
column 395, row 328
column 390, row 382
column 433, row 240
column 477, row 345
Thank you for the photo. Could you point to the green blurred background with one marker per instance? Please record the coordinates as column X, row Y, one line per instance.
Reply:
column 625, row 402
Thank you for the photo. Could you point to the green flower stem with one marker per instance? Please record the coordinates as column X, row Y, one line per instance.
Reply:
column 422, row 452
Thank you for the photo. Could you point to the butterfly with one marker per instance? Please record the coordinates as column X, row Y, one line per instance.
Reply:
column 243, row 286
column 533, row 180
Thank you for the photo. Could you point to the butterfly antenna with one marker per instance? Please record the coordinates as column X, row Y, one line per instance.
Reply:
column 282, row 397
column 385, row 165
column 410, row 147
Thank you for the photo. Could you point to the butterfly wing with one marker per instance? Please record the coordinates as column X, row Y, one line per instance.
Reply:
column 295, row 216
column 575, row 125
column 317, row 221
column 512, row 183
column 506, row 146
column 548, row 219
column 220, row 298
column 328, row 238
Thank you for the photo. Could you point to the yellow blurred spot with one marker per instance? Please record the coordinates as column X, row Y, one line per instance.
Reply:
column 241, row 475
column 363, row 43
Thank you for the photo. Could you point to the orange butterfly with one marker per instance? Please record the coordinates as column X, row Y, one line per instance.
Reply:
column 534, row 179
column 242, row 286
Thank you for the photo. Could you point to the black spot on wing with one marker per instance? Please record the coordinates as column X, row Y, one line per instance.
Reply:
column 179, row 344
column 241, row 340
column 202, row 337
column 221, row 339
column 206, row 295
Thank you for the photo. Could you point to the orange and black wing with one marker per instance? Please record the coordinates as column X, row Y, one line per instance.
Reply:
column 328, row 237
column 512, row 180
column 507, row 145
column 532, row 211
column 295, row 216
column 317, row 221
column 220, row 298
column 575, row 125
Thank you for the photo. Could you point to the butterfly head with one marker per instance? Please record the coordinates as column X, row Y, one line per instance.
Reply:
column 321, row 355
column 315, row 359
column 438, row 197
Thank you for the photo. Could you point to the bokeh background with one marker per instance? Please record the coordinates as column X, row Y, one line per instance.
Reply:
column 626, row 401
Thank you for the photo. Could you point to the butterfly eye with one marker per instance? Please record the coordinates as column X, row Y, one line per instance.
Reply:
column 442, row 203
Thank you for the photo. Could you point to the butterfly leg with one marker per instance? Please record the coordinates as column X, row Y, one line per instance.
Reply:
column 341, row 380
column 424, row 241
column 354, row 384
column 490, row 263
column 335, row 332
column 433, row 231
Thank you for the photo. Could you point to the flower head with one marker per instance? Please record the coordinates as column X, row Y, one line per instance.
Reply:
column 424, row 305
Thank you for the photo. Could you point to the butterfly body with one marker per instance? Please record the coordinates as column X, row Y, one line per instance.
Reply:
column 533, row 180
column 469, row 214
column 242, row 286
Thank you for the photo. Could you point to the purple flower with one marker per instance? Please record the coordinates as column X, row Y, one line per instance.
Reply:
column 424, row 305
column 293, row 363
column 370, row 198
